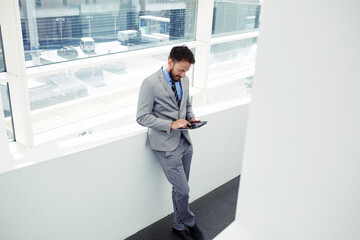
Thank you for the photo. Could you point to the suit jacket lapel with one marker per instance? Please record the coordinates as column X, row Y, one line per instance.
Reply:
column 167, row 86
column 184, row 92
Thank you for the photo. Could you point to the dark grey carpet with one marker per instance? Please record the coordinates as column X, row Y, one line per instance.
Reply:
column 214, row 212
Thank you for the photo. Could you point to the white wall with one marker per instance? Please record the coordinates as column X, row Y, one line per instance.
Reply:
column 300, row 177
column 113, row 190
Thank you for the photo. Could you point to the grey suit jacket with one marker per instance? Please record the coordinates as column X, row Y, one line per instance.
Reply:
column 157, row 109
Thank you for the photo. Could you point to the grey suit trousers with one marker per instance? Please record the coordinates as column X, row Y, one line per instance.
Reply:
column 176, row 166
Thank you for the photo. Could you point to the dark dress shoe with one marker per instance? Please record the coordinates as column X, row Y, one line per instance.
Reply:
column 182, row 233
column 196, row 233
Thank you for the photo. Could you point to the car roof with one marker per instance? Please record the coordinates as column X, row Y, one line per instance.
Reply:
column 87, row 39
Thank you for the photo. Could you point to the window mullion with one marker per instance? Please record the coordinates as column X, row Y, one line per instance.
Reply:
column 15, row 66
column 203, row 36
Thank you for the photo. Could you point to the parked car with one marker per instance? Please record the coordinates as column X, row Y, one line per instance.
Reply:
column 87, row 44
column 128, row 36
column 67, row 52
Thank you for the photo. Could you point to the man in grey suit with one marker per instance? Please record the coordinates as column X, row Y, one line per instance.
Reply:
column 164, row 107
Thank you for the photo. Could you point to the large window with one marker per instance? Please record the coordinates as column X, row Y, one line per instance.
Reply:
column 56, row 31
column 84, row 61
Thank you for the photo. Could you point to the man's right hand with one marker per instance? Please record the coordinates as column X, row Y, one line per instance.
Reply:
column 180, row 123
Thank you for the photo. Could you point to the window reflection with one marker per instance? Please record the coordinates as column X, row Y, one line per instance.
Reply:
column 53, row 89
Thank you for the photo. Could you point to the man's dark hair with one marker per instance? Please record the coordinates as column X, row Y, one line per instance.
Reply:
column 180, row 53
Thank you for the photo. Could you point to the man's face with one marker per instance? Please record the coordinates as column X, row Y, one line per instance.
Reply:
column 178, row 69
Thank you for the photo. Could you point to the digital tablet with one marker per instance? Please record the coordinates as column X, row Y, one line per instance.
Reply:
column 195, row 125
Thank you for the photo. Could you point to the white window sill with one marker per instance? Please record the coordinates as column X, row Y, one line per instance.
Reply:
column 20, row 157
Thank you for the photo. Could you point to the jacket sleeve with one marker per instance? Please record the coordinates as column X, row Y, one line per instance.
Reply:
column 189, row 112
column 144, row 115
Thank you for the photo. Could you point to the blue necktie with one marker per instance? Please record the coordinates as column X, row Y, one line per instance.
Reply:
column 173, row 87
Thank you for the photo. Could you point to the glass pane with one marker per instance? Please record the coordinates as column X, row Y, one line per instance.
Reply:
column 4, row 91
column 236, row 16
column 232, row 65
column 232, row 58
column 56, row 31
column 2, row 60
column 71, row 96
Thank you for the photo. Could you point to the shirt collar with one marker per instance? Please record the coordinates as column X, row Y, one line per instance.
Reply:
column 166, row 74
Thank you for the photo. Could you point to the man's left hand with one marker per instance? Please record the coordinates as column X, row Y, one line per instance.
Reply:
column 194, row 120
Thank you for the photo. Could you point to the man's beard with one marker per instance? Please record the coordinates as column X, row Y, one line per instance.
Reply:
column 175, row 78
